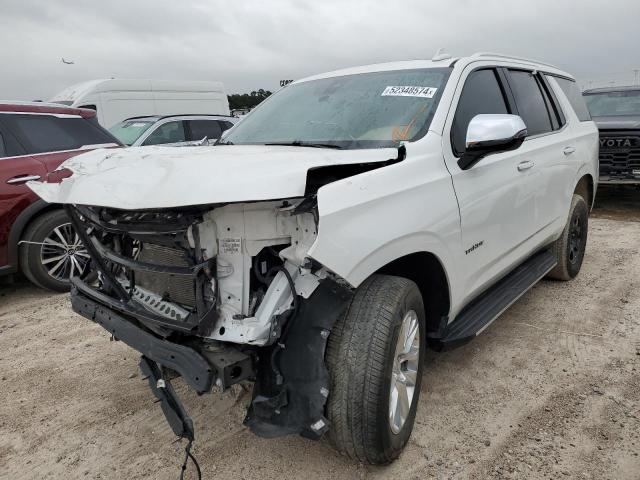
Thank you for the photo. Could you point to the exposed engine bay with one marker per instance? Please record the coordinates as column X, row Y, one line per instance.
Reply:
column 218, row 294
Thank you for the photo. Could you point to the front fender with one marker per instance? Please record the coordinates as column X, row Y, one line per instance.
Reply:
column 369, row 220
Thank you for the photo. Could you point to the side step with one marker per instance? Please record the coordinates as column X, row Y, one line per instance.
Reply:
column 479, row 314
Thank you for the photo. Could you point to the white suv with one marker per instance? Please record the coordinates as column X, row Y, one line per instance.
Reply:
column 352, row 220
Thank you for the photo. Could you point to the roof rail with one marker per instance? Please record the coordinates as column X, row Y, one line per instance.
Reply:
column 511, row 57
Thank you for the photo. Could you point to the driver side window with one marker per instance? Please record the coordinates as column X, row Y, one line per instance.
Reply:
column 170, row 132
column 481, row 94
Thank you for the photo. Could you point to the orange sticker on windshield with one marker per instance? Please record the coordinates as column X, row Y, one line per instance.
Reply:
column 399, row 132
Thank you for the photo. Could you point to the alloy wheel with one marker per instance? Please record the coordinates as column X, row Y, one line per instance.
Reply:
column 63, row 255
column 405, row 371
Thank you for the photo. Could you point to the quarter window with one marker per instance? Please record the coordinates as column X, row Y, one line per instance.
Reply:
column 530, row 102
column 226, row 126
column 481, row 94
column 3, row 152
column 571, row 90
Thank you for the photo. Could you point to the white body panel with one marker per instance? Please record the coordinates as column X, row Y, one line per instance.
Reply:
column 423, row 203
column 165, row 177
column 118, row 99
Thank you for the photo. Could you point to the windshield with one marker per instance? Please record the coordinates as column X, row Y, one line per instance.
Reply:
column 130, row 130
column 613, row 103
column 368, row 110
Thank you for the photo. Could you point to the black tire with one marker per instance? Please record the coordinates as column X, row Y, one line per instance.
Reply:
column 360, row 358
column 31, row 254
column 570, row 247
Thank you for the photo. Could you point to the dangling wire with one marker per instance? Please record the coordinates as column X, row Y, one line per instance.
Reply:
column 188, row 455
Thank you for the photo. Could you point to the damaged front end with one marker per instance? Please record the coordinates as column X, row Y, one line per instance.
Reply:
column 218, row 294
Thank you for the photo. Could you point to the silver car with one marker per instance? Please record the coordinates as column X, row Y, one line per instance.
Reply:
column 175, row 130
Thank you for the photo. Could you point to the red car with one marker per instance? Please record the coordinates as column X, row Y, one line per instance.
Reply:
column 36, row 238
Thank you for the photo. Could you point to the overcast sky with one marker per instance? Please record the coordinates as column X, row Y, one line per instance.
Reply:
column 250, row 44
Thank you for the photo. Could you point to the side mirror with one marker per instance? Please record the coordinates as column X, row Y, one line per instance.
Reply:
column 491, row 133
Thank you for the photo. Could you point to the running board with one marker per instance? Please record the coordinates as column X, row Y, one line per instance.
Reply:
column 482, row 311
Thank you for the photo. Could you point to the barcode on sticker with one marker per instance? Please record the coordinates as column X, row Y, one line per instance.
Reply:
column 230, row 246
column 409, row 91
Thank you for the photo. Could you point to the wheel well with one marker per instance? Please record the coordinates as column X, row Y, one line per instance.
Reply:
column 22, row 223
column 427, row 272
column 585, row 189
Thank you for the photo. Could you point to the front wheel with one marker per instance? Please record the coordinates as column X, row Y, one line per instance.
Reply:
column 570, row 247
column 375, row 358
column 51, row 252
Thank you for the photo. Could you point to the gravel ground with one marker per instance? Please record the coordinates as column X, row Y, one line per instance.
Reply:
column 550, row 390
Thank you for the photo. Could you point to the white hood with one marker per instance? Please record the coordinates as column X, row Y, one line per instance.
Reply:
column 163, row 177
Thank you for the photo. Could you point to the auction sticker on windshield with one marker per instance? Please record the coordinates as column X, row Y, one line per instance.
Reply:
column 409, row 91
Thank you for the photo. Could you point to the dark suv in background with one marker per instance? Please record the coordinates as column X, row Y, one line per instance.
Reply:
column 616, row 111
column 36, row 238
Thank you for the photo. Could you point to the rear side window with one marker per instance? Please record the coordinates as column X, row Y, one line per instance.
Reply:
column 481, row 94
column 3, row 151
column 204, row 128
column 170, row 132
column 571, row 90
column 531, row 102
column 47, row 133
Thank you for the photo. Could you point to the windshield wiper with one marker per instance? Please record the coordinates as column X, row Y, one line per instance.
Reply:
column 298, row 143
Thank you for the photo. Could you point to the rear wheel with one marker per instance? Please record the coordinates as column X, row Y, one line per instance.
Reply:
column 51, row 252
column 375, row 357
column 570, row 247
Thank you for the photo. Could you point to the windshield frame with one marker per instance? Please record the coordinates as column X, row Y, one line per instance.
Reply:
column 634, row 91
column 353, row 144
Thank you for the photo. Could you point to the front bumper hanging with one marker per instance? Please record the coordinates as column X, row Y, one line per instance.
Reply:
column 186, row 361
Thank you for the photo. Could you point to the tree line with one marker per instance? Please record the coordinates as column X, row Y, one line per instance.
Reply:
column 247, row 100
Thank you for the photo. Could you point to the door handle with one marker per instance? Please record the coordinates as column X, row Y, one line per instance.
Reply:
column 19, row 179
column 568, row 150
column 526, row 165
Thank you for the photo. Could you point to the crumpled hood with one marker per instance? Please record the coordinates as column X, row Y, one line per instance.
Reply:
column 163, row 177
column 621, row 122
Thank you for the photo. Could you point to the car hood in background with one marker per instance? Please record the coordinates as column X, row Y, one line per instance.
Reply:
column 618, row 123
column 164, row 177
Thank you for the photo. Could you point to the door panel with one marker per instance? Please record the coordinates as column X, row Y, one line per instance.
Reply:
column 545, row 148
column 497, row 207
column 15, row 196
column 496, row 198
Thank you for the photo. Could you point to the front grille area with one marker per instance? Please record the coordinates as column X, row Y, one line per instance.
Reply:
column 617, row 160
column 175, row 288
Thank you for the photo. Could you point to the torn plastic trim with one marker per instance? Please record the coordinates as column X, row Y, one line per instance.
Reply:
column 130, row 308
column 292, row 381
column 184, row 360
column 203, row 317
column 171, row 223
column 175, row 413
column 118, row 259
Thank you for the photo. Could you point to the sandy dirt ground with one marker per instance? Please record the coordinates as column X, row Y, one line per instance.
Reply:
column 551, row 390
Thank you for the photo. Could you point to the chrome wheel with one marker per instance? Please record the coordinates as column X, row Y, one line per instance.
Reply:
column 405, row 371
column 63, row 255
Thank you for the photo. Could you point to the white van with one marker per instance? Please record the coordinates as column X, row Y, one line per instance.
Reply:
column 118, row 99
